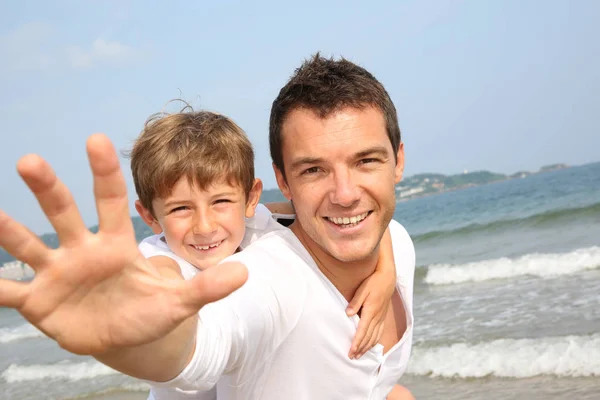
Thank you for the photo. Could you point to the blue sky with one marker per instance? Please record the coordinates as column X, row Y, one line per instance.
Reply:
column 502, row 86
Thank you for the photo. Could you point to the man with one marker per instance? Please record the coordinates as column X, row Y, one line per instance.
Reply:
column 283, row 333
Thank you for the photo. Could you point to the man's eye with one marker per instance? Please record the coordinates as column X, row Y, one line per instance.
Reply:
column 368, row 160
column 311, row 170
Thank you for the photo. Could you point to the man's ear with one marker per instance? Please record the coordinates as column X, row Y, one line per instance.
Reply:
column 282, row 183
column 399, row 169
column 148, row 218
column 253, row 197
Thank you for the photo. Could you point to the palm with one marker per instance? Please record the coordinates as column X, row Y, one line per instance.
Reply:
column 96, row 292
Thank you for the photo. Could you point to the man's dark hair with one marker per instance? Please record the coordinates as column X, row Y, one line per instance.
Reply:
column 324, row 85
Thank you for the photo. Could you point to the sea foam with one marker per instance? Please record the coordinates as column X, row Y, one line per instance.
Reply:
column 536, row 264
column 60, row 371
column 26, row 331
column 567, row 356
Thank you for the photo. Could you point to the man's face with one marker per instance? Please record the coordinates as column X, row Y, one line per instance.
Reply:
column 340, row 174
column 203, row 226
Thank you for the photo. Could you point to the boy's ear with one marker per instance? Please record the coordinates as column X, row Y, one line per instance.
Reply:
column 281, row 182
column 148, row 218
column 253, row 197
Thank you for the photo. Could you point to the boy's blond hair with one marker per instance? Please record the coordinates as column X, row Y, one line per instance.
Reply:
column 203, row 146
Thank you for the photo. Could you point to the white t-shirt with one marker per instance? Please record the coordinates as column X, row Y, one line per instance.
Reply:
column 285, row 334
column 263, row 222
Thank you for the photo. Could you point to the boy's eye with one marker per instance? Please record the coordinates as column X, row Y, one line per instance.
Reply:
column 180, row 208
column 220, row 201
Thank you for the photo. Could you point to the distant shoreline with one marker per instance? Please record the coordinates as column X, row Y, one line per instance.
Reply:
column 483, row 177
column 413, row 187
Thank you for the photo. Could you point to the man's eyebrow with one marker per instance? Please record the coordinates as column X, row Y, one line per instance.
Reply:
column 375, row 150
column 304, row 161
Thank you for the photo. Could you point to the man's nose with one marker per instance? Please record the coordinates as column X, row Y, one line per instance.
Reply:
column 346, row 191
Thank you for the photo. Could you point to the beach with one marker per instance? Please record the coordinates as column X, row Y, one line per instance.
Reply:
column 506, row 301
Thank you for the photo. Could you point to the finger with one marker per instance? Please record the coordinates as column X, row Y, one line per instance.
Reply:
column 110, row 189
column 357, row 301
column 361, row 333
column 54, row 197
column 377, row 336
column 374, row 339
column 21, row 243
column 12, row 293
column 214, row 283
column 363, row 346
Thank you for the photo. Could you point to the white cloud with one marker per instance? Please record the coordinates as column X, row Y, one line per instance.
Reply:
column 102, row 52
column 34, row 47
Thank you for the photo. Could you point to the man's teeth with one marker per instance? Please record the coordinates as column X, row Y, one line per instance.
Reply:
column 210, row 246
column 348, row 220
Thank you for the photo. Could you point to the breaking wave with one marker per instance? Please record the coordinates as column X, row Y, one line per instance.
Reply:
column 536, row 264
column 567, row 356
column 60, row 371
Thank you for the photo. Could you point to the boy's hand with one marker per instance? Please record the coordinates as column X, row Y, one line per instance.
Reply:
column 373, row 299
column 96, row 292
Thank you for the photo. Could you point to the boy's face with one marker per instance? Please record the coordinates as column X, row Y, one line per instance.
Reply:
column 203, row 226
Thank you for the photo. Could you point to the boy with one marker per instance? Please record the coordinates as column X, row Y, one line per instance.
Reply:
column 194, row 177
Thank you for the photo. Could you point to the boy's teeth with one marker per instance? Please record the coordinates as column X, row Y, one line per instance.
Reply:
column 348, row 220
column 210, row 246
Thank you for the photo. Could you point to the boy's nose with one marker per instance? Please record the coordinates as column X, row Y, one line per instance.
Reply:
column 204, row 226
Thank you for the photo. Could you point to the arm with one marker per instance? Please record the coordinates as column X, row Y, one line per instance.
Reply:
column 281, row 207
column 372, row 299
column 96, row 294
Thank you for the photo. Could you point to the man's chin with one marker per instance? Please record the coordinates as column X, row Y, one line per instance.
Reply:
column 351, row 254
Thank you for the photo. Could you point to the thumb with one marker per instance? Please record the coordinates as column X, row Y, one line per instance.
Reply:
column 216, row 283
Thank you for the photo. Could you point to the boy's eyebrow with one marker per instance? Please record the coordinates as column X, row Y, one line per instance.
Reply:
column 225, row 193
column 171, row 203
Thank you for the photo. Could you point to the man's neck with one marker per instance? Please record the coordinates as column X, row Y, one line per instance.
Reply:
column 346, row 276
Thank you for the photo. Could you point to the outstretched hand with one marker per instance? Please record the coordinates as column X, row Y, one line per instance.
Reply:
column 96, row 292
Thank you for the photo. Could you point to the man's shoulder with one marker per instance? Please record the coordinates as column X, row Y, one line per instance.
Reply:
column 276, row 259
column 275, row 244
column 262, row 223
column 400, row 237
column 404, row 251
column 399, row 232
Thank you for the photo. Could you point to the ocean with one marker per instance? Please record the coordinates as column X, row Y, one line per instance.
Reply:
column 506, row 302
